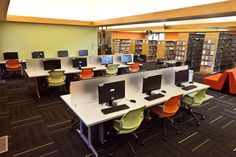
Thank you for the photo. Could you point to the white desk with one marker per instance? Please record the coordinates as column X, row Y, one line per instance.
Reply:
column 90, row 114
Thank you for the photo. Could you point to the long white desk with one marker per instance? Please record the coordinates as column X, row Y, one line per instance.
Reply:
column 90, row 113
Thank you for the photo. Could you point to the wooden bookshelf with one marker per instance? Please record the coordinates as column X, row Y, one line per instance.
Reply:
column 138, row 46
column 180, row 50
column 170, row 50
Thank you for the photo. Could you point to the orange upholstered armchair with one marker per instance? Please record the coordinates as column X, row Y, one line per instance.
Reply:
column 232, row 82
column 134, row 67
column 86, row 73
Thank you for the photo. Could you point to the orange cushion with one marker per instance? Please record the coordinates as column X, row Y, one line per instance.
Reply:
column 232, row 82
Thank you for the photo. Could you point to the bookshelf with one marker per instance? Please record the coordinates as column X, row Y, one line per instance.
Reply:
column 116, row 45
column 125, row 45
column 170, row 50
column 152, row 50
column 194, row 51
column 208, row 52
column 138, row 46
column 225, row 55
column 180, row 50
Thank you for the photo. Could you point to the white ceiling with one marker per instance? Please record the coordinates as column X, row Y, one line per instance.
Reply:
column 93, row 10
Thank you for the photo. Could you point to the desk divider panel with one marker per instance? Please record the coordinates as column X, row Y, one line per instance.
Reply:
column 86, row 91
column 34, row 64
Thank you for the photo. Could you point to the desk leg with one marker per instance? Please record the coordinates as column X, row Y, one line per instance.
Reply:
column 36, row 86
column 88, row 141
column 101, row 133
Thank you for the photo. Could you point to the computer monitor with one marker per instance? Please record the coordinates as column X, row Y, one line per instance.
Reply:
column 10, row 55
column 52, row 64
column 126, row 58
column 109, row 92
column 107, row 59
column 38, row 54
column 79, row 62
column 181, row 77
column 83, row 52
column 151, row 83
column 62, row 53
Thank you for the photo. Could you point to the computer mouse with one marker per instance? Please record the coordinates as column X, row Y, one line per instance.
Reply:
column 163, row 91
column 133, row 101
column 191, row 82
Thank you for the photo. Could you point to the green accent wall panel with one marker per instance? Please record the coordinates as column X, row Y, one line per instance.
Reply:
column 27, row 37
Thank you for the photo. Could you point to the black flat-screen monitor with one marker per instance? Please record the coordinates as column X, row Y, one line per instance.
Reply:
column 107, row 59
column 83, row 52
column 52, row 64
column 111, row 91
column 38, row 54
column 62, row 53
column 126, row 58
column 79, row 62
column 10, row 55
column 181, row 77
column 151, row 83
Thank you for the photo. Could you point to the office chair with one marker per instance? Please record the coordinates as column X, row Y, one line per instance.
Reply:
column 165, row 112
column 127, row 125
column 57, row 79
column 112, row 69
column 13, row 66
column 194, row 100
column 134, row 67
column 86, row 74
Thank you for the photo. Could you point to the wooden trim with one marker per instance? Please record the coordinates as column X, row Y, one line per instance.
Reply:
column 220, row 9
column 27, row 19
column 215, row 26
column 4, row 4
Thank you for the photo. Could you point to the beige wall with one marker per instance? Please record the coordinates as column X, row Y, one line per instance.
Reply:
column 25, row 38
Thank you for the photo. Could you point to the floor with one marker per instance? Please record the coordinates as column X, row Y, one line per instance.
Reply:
column 40, row 127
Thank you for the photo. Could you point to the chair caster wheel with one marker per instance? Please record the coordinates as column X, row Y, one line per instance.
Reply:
column 203, row 117
column 198, row 123
column 178, row 132
column 164, row 138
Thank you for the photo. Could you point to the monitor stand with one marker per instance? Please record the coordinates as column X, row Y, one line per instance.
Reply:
column 180, row 85
column 106, row 65
column 111, row 103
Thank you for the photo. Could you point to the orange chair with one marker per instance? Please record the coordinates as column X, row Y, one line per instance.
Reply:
column 13, row 65
column 134, row 67
column 217, row 81
column 165, row 112
column 232, row 82
column 86, row 73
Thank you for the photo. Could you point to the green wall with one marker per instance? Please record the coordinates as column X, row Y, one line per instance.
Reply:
column 27, row 37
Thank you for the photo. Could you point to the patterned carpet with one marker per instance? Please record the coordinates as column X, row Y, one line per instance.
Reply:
column 40, row 127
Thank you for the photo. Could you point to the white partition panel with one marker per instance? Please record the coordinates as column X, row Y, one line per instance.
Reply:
column 34, row 64
column 66, row 62
column 86, row 91
column 95, row 60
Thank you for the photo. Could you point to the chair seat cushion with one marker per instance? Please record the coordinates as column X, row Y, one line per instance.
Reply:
column 158, row 110
column 55, row 84
column 120, row 130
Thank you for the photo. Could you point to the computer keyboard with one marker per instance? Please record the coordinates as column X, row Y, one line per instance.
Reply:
column 154, row 96
column 114, row 109
column 189, row 87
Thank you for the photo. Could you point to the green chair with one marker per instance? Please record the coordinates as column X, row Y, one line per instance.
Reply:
column 127, row 125
column 56, row 79
column 112, row 69
column 194, row 100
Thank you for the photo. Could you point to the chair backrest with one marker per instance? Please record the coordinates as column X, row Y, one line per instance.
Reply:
column 56, row 77
column 13, row 64
column 134, row 67
column 86, row 73
column 150, row 65
column 112, row 69
column 133, row 118
column 199, row 97
column 172, row 105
